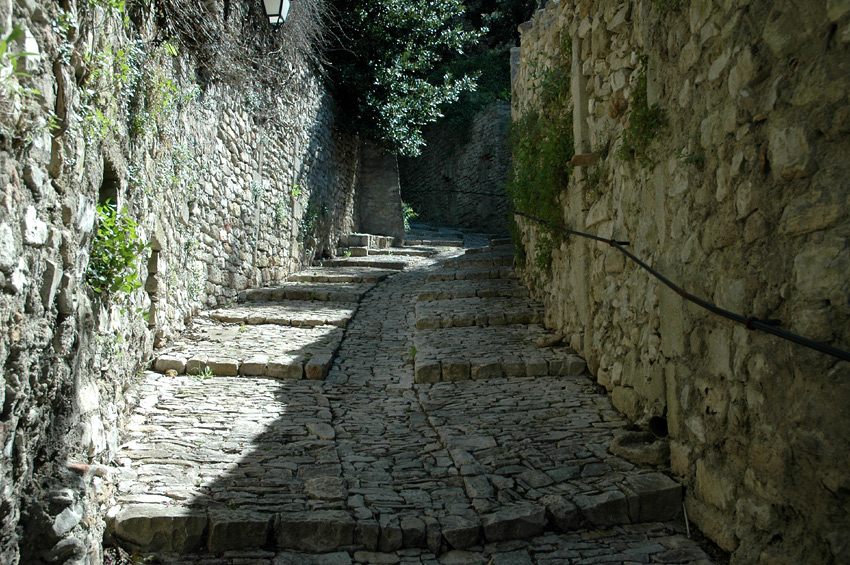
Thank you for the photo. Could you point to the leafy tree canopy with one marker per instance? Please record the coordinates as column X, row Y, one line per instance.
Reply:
column 388, row 67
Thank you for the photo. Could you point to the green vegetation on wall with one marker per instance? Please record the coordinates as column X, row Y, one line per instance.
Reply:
column 645, row 123
column 542, row 142
column 115, row 252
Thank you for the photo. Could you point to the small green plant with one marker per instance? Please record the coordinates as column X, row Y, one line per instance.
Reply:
column 645, row 123
column 347, row 253
column 696, row 158
column 413, row 352
column 14, row 97
column 207, row 373
column 296, row 192
column 408, row 214
column 281, row 210
column 8, row 59
column 116, row 248
column 543, row 254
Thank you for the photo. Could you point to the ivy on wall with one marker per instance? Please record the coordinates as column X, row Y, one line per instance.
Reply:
column 542, row 141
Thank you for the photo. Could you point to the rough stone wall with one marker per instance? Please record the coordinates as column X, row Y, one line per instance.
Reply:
column 226, row 195
column 745, row 203
column 452, row 180
column 379, row 195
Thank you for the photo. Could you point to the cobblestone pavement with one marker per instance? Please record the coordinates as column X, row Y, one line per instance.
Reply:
column 497, row 454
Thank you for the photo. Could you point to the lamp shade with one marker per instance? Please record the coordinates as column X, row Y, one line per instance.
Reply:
column 276, row 10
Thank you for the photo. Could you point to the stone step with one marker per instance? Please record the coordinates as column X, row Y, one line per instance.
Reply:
column 324, row 292
column 228, row 463
column 492, row 249
column 372, row 261
column 500, row 241
column 253, row 350
column 500, row 259
column 429, row 242
column 464, row 353
column 341, row 275
column 404, row 251
column 464, row 288
column 296, row 313
column 471, row 273
column 366, row 240
column 476, row 311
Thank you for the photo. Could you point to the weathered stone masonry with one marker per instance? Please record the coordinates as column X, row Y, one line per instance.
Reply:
column 453, row 179
column 746, row 204
column 227, row 196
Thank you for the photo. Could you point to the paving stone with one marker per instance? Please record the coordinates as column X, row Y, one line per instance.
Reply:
column 321, row 531
column 225, row 349
column 518, row 557
column 298, row 313
column 517, row 522
column 380, row 457
column 460, row 532
column 308, row 291
column 341, row 275
column 158, row 528
column 235, row 529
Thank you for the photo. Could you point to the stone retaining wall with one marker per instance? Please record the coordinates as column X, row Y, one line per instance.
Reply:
column 227, row 193
column 452, row 180
column 745, row 203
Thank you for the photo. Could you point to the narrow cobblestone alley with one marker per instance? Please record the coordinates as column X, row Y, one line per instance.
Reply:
column 391, row 408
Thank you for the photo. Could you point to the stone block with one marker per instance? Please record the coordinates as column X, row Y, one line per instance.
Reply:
column 366, row 534
column 485, row 370
column 571, row 366
column 837, row 9
column 285, row 369
column 231, row 529
column 8, row 252
column 359, row 251
column 790, row 153
column 153, row 528
column 812, row 211
column 428, row 323
column 603, row 510
column 35, row 230
column 50, row 283
column 427, row 372
column 414, row 532
column 223, row 367
column 564, row 514
column 320, row 531
column 460, row 532
column 536, row 368
column 391, row 537
column 514, row 368
column 164, row 363
column 659, row 498
column 455, row 370
column 317, row 368
column 326, row 488
column 433, row 534
column 254, row 366
column 518, row 522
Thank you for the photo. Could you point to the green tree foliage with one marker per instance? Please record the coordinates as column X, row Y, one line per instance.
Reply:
column 389, row 66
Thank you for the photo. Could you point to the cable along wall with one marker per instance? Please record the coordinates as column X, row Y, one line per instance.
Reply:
column 707, row 136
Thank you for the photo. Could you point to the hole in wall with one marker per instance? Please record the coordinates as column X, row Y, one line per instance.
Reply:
column 110, row 185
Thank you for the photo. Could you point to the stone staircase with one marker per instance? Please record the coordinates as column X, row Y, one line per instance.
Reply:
column 376, row 413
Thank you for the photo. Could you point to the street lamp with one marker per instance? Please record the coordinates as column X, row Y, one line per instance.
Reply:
column 276, row 11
